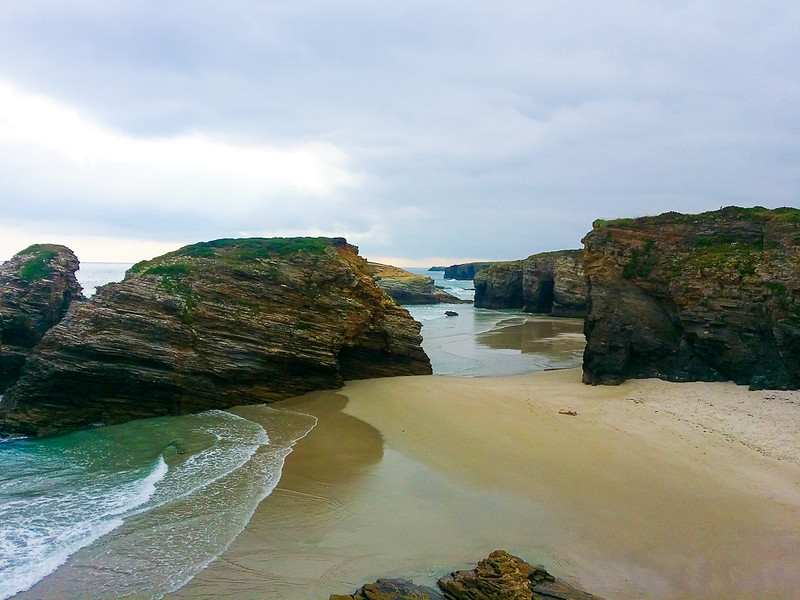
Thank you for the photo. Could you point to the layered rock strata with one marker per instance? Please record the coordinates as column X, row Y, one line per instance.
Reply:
column 705, row 297
column 465, row 271
column 409, row 288
column 213, row 325
column 500, row 576
column 37, row 287
column 550, row 282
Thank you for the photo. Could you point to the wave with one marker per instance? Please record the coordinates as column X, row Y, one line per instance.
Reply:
column 157, row 529
column 38, row 535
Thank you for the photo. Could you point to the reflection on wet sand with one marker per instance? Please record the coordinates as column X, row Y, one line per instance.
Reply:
column 560, row 340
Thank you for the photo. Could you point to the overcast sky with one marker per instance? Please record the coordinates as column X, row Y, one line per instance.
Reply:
column 423, row 131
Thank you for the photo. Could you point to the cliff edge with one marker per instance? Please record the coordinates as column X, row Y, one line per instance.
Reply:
column 706, row 297
column 405, row 287
column 213, row 325
column 37, row 287
column 548, row 282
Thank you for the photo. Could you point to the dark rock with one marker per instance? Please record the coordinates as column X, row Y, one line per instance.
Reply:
column 437, row 269
column 214, row 325
column 451, row 313
column 503, row 576
column 410, row 288
column 392, row 589
column 465, row 271
column 706, row 297
column 36, row 288
column 549, row 282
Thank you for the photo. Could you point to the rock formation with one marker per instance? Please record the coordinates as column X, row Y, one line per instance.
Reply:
column 36, row 288
column 705, row 297
column 465, row 271
column 549, row 282
column 213, row 325
column 409, row 288
column 501, row 576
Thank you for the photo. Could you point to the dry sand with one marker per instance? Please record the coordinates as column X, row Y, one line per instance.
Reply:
column 652, row 490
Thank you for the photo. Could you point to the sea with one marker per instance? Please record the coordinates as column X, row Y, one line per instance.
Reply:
column 138, row 509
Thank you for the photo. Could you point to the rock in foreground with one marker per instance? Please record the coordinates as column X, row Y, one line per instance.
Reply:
column 550, row 282
column 214, row 325
column 36, row 288
column 705, row 297
column 501, row 576
column 409, row 288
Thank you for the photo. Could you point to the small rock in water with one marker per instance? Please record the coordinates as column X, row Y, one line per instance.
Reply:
column 451, row 313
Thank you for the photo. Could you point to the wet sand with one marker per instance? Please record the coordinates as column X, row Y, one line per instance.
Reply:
column 653, row 490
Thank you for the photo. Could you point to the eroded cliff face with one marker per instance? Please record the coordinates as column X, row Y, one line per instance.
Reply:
column 706, row 297
column 465, row 271
column 405, row 287
column 36, row 288
column 549, row 282
column 214, row 325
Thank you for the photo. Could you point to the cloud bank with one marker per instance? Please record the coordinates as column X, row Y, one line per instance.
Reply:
column 424, row 129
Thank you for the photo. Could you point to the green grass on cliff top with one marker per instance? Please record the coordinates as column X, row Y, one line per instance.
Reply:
column 37, row 266
column 784, row 214
column 230, row 250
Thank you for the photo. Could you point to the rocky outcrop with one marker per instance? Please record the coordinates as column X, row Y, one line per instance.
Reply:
column 409, row 288
column 705, row 297
column 36, row 288
column 213, row 325
column 501, row 576
column 465, row 271
column 549, row 282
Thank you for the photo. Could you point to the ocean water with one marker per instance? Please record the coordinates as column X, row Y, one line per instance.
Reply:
column 482, row 342
column 138, row 509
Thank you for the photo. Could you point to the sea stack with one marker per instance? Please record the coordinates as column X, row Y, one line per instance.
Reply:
column 549, row 282
column 707, row 297
column 37, row 287
column 213, row 325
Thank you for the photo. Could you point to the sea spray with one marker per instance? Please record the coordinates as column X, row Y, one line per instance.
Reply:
column 156, row 527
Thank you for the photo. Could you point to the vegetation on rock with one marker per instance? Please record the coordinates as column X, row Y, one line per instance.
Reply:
column 213, row 325
column 711, row 296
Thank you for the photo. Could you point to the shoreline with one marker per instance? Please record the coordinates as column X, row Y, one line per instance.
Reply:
column 653, row 490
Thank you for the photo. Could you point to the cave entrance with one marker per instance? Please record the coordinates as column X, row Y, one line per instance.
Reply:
column 544, row 299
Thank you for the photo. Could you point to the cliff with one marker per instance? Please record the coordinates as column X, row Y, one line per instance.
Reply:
column 36, row 288
column 213, row 325
column 705, row 297
column 549, row 282
column 464, row 271
column 409, row 288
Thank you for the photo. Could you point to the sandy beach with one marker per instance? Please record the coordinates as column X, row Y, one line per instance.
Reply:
column 652, row 490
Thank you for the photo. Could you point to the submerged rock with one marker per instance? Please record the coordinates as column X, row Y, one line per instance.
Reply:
column 550, row 282
column 500, row 576
column 213, row 325
column 37, row 287
column 409, row 288
column 705, row 297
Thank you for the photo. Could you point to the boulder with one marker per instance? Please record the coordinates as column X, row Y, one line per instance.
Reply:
column 707, row 297
column 213, row 325
column 37, row 287
column 409, row 288
column 500, row 576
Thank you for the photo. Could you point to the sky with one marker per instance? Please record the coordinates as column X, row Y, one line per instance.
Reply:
column 425, row 132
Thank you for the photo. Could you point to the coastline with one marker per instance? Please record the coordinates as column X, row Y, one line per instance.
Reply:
column 653, row 490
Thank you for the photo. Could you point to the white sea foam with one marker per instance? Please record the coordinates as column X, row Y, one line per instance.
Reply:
column 38, row 536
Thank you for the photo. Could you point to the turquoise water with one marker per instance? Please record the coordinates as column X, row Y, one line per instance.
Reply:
column 138, row 509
